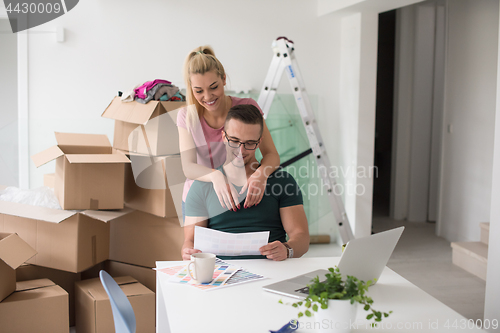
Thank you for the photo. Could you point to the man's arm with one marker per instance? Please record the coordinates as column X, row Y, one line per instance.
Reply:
column 295, row 223
column 188, row 246
column 196, row 214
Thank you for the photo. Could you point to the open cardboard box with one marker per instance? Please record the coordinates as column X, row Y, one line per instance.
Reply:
column 65, row 280
column 145, row 128
column 145, row 275
column 35, row 306
column 88, row 174
column 66, row 240
column 13, row 253
column 154, row 184
column 93, row 309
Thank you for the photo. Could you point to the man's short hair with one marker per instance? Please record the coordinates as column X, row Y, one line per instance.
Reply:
column 247, row 114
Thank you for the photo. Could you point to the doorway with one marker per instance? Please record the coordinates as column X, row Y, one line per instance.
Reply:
column 409, row 109
column 384, row 113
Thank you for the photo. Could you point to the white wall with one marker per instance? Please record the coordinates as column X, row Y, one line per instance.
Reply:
column 357, row 115
column 492, row 301
column 8, row 105
column 71, row 83
column 470, row 97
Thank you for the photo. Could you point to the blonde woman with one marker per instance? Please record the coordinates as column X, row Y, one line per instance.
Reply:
column 201, row 125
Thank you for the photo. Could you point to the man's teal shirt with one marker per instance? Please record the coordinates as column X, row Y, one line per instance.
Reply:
column 281, row 191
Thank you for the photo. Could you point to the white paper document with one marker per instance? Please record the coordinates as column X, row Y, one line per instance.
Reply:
column 227, row 244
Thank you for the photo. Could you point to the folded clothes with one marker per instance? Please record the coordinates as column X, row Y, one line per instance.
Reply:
column 142, row 91
column 169, row 90
column 151, row 93
column 128, row 96
column 177, row 97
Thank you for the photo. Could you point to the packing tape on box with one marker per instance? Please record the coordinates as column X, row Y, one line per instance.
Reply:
column 94, row 250
column 135, row 141
column 146, row 140
column 94, row 204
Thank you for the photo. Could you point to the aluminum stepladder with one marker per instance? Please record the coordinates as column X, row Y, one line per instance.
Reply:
column 284, row 58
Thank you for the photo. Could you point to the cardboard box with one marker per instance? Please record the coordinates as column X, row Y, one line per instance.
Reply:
column 93, row 272
column 145, row 275
column 154, row 184
column 93, row 309
column 141, row 239
column 13, row 253
column 145, row 128
column 36, row 306
column 65, row 280
column 66, row 240
column 88, row 174
column 49, row 180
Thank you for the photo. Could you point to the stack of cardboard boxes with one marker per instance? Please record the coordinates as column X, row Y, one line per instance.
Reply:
column 128, row 202
column 147, row 134
column 41, row 300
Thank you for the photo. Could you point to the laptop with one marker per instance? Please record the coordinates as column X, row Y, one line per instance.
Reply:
column 364, row 258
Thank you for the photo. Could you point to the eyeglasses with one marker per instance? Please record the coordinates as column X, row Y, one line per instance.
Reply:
column 236, row 144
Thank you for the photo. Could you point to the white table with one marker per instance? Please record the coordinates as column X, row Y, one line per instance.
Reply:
column 248, row 308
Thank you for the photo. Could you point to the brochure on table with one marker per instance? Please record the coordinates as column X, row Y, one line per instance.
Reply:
column 225, row 275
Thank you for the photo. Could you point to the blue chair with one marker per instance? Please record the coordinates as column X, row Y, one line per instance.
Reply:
column 123, row 314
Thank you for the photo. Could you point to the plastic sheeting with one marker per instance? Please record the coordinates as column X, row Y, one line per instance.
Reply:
column 42, row 196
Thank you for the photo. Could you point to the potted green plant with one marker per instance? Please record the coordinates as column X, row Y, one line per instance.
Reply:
column 335, row 301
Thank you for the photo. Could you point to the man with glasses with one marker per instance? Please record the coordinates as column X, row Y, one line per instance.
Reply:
column 280, row 212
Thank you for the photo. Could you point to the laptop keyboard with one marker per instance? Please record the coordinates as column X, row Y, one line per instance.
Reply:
column 304, row 290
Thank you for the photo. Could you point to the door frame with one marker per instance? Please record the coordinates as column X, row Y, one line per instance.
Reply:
column 22, row 106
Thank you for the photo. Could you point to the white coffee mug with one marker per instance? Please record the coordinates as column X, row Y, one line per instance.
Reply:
column 204, row 265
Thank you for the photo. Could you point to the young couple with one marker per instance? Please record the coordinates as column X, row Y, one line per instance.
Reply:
column 227, row 188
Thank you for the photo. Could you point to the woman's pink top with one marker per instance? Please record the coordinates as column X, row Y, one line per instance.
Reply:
column 210, row 150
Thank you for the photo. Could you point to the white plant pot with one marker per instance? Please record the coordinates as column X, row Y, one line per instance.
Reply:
column 338, row 317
